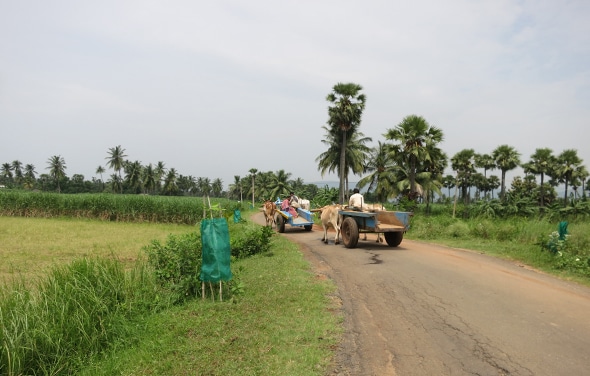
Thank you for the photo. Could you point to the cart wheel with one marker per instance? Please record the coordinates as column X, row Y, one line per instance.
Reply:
column 350, row 233
column 280, row 223
column 308, row 227
column 393, row 239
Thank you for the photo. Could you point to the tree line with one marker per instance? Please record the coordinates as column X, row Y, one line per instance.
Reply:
column 407, row 163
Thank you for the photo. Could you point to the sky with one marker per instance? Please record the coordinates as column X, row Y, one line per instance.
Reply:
column 216, row 88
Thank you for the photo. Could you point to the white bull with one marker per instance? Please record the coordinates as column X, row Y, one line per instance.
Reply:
column 330, row 218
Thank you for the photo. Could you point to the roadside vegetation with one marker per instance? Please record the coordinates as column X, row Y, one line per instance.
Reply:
column 99, row 316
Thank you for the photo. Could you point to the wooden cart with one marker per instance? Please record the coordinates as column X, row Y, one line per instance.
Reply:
column 392, row 224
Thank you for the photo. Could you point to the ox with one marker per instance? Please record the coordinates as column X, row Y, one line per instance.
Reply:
column 329, row 216
column 269, row 212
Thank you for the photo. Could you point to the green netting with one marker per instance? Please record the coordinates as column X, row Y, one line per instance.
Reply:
column 216, row 250
column 562, row 229
column 237, row 216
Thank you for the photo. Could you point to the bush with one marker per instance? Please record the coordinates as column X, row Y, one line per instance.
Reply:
column 178, row 262
column 458, row 230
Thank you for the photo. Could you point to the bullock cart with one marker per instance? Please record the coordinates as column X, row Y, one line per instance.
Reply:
column 303, row 219
column 392, row 224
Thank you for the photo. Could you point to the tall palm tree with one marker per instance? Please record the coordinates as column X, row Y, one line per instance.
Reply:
column 564, row 170
column 149, row 179
column 344, row 115
column 57, row 169
column 464, row 164
column 170, row 183
column 542, row 160
column 253, row 172
column 160, row 171
column 235, row 189
column 30, row 176
column 217, row 187
column 17, row 167
column 100, row 170
column 486, row 162
column 116, row 159
column 415, row 138
column 6, row 172
column 507, row 158
column 355, row 157
column 133, row 176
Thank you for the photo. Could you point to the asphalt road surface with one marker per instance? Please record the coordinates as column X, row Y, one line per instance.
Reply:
column 422, row 309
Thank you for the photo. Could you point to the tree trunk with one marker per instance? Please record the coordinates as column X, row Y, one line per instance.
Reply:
column 342, row 167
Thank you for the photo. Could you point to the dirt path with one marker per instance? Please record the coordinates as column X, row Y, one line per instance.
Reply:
column 421, row 309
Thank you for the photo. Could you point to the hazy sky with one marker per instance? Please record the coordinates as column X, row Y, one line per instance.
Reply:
column 215, row 88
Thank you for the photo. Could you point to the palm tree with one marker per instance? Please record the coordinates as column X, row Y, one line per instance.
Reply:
column 506, row 158
column 345, row 116
column 486, row 162
column 133, row 176
column 170, row 183
column 100, row 170
column 116, row 161
column 235, row 189
column 415, row 139
column 149, row 179
column 355, row 157
column 6, row 172
column 217, row 187
column 160, row 170
column 448, row 182
column 540, row 164
column 464, row 164
column 18, row 171
column 57, row 168
column 280, row 184
column 566, row 165
column 382, row 174
column 253, row 172
column 30, row 176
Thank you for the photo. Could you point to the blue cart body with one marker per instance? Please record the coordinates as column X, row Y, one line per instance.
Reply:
column 392, row 224
column 303, row 219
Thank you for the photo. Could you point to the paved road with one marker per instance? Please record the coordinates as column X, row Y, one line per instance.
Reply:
column 421, row 309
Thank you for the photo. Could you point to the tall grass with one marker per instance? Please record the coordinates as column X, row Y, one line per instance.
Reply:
column 78, row 310
column 109, row 207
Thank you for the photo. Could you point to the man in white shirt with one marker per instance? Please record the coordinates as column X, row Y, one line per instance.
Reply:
column 356, row 200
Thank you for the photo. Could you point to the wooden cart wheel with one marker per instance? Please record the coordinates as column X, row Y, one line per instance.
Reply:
column 280, row 223
column 350, row 233
column 393, row 239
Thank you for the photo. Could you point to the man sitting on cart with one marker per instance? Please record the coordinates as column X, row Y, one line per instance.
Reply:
column 356, row 201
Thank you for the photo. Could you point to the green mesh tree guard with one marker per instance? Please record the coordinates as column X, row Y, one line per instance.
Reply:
column 216, row 250
column 562, row 229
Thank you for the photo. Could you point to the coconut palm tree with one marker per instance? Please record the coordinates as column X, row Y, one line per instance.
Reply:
column 170, row 183
column 344, row 116
column 57, row 167
column 116, row 160
column 542, row 160
column 253, row 172
column 415, row 138
column 133, row 176
column 30, row 176
column 279, row 184
column 235, row 189
column 217, row 187
column 149, row 179
column 506, row 158
column 160, row 171
column 6, row 172
column 17, row 167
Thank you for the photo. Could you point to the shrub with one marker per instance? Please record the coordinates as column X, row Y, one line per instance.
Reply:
column 458, row 230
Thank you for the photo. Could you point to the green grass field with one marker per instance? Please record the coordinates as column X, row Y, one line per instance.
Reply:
column 282, row 321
